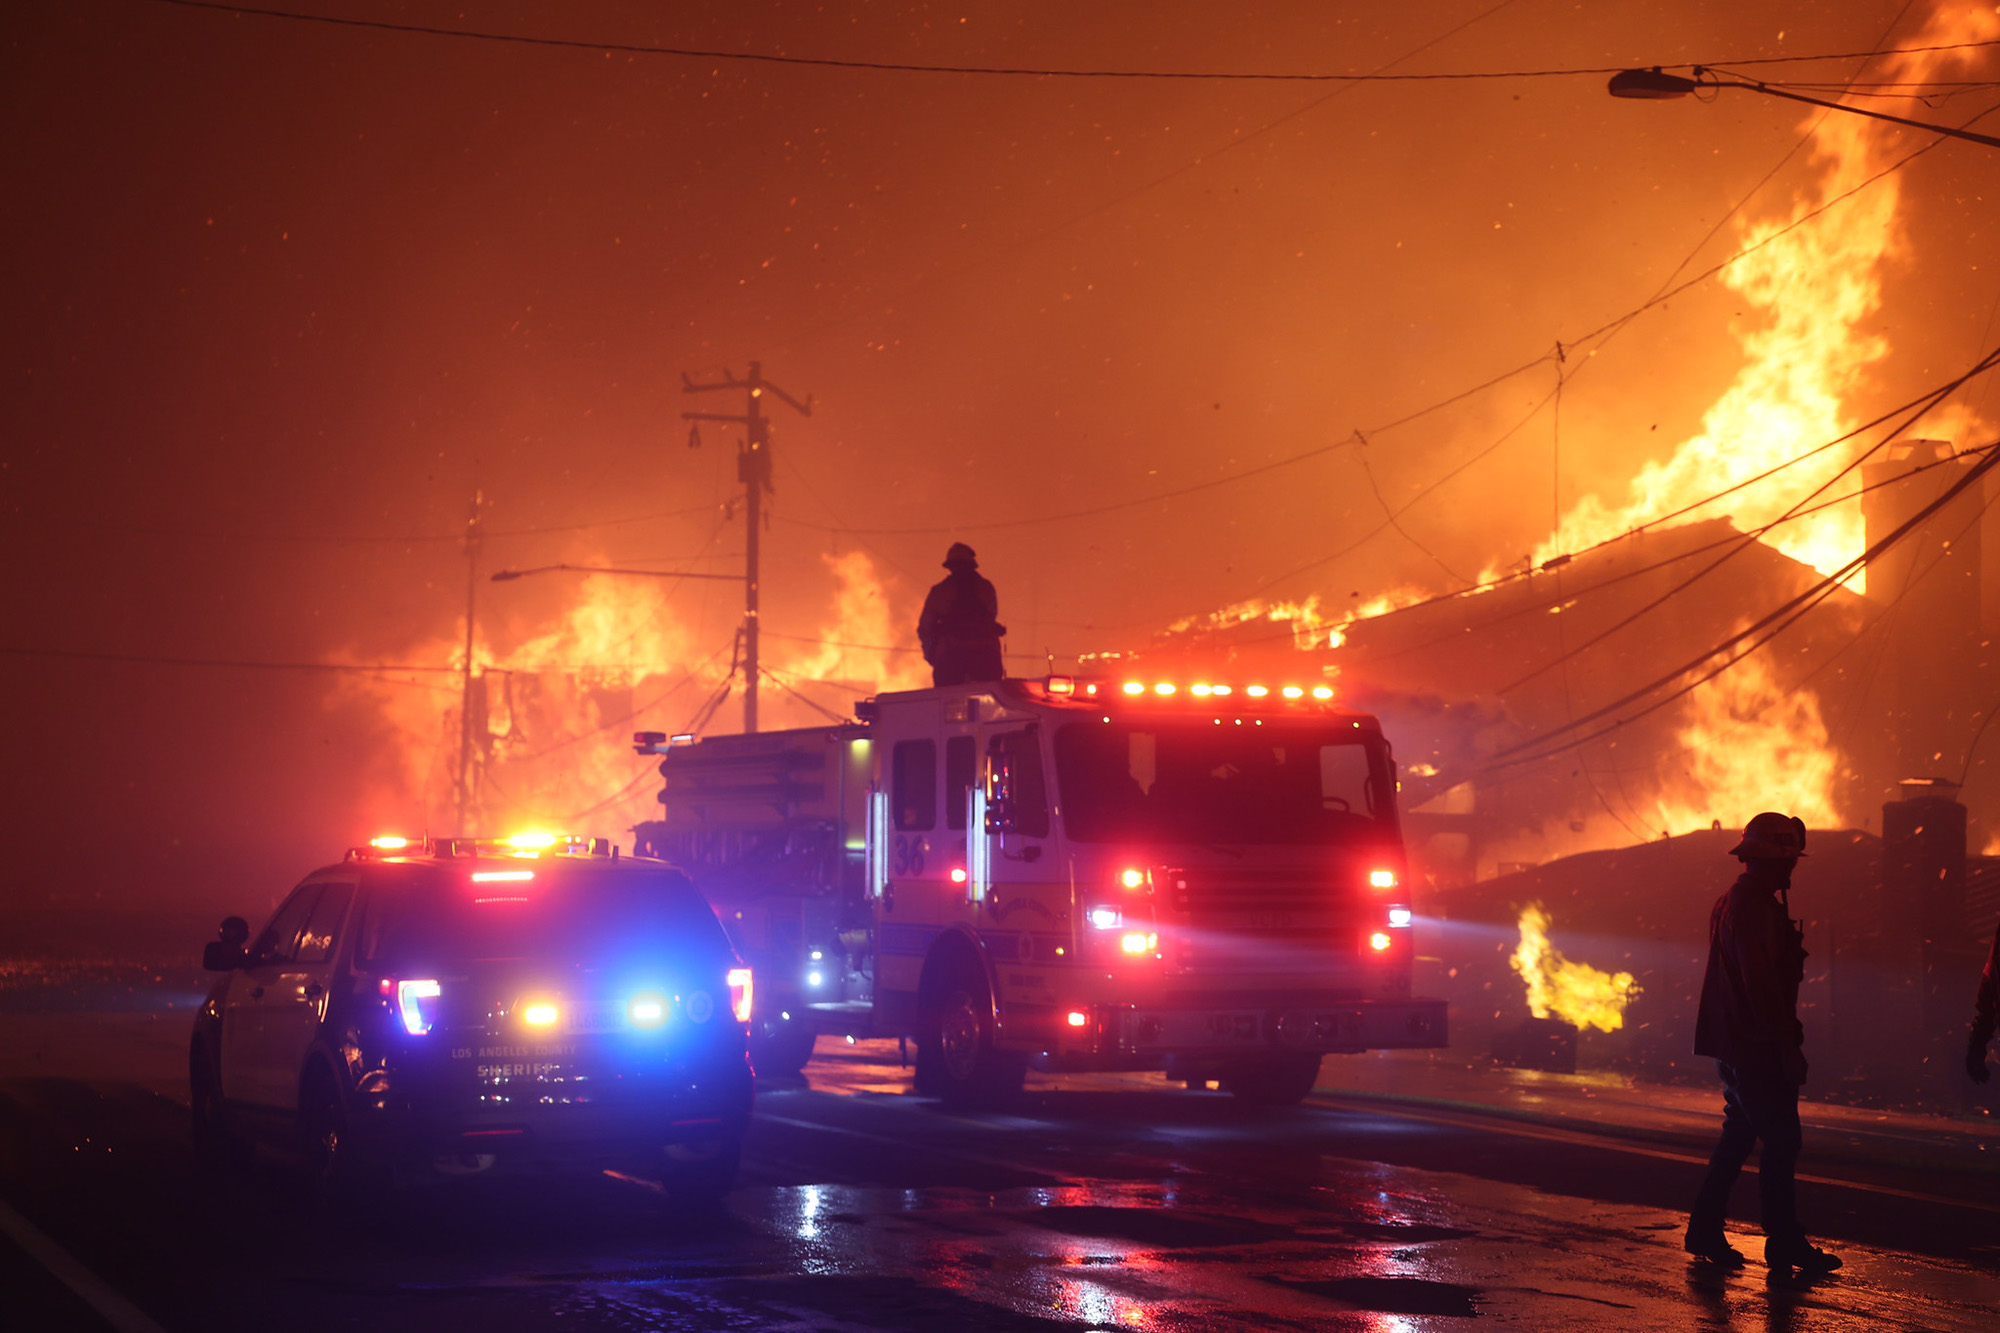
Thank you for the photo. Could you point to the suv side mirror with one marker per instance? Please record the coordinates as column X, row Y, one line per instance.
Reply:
column 225, row 954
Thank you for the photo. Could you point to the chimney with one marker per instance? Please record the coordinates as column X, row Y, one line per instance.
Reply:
column 1923, row 889
column 1926, row 589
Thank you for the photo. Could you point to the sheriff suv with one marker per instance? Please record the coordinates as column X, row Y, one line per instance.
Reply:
column 449, row 1007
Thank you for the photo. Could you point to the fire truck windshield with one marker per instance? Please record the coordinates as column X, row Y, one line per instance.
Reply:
column 1300, row 782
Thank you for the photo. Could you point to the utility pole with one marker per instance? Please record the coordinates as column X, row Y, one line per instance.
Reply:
column 753, row 469
column 464, row 792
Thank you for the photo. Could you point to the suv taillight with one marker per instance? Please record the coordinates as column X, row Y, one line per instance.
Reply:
column 739, row 993
column 416, row 1003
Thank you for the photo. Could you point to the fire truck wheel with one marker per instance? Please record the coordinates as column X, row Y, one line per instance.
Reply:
column 781, row 1050
column 1281, row 1082
column 956, row 1058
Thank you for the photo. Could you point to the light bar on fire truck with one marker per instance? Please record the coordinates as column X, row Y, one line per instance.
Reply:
column 1154, row 690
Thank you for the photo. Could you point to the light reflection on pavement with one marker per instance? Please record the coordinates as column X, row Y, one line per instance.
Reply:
column 1120, row 1255
column 1103, row 1202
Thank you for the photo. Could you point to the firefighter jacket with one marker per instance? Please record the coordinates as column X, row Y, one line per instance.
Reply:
column 1750, row 994
column 1986, row 1006
column 960, row 614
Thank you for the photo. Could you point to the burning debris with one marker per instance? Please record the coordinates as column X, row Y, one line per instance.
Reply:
column 1576, row 993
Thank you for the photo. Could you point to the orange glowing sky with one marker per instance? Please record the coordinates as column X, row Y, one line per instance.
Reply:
column 283, row 295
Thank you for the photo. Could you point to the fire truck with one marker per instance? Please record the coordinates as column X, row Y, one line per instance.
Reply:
column 1200, row 877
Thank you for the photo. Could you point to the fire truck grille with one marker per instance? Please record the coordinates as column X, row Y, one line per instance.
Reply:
column 1212, row 900
column 1245, row 919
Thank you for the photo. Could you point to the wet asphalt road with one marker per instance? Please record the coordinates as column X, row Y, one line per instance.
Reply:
column 1099, row 1202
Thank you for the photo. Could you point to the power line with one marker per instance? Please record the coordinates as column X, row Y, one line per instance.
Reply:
column 377, row 668
column 351, row 668
column 687, row 678
column 1913, row 412
column 824, row 711
column 1008, row 71
column 1779, row 619
column 1576, row 595
column 1602, row 332
column 1091, row 512
column 415, row 539
column 1600, row 335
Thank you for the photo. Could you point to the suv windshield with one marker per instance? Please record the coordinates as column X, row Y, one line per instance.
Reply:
column 1282, row 782
column 565, row 912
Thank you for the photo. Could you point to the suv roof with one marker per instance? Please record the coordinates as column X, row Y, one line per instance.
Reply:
column 530, row 846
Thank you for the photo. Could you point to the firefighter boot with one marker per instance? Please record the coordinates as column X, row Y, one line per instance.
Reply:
column 1704, row 1242
column 1783, row 1252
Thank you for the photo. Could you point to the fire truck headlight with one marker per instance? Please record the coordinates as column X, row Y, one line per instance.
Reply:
column 1379, row 941
column 815, row 979
column 1399, row 916
column 1132, row 879
column 1077, row 1018
column 1139, row 942
column 1106, row 918
column 1381, row 879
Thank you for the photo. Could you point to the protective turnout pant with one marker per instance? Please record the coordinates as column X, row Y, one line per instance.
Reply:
column 967, row 663
column 1760, row 1105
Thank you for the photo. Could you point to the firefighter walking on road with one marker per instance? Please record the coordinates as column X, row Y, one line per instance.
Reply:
column 1749, row 1024
column 960, row 628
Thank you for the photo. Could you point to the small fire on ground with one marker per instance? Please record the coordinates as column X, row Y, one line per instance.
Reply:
column 1576, row 993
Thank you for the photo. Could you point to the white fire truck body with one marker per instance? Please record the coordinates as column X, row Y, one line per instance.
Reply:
column 1087, row 875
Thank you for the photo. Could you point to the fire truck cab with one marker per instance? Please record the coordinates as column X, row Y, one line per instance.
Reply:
column 1201, row 878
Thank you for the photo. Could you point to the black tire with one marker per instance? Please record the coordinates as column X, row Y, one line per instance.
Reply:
column 1283, row 1081
column 337, row 1172
column 217, row 1151
column 781, row 1049
column 957, row 1061
column 699, row 1176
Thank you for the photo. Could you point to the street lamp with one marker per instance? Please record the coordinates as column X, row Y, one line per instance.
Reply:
column 1653, row 85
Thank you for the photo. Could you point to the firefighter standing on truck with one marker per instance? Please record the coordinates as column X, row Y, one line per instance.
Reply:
column 960, row 628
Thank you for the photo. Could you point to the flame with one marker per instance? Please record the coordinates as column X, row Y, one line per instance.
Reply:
column 1813, row 291
column 1577, row 993
column 1309, row 628
column 858, row 643
column 1378, row 605
column 554, row 707
column 1751, row 744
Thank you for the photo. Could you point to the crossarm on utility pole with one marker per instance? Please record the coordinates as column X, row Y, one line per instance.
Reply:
column 753, row 469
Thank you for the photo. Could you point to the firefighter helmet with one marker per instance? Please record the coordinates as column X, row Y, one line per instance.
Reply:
column 960, row 554
column 1772, row 837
